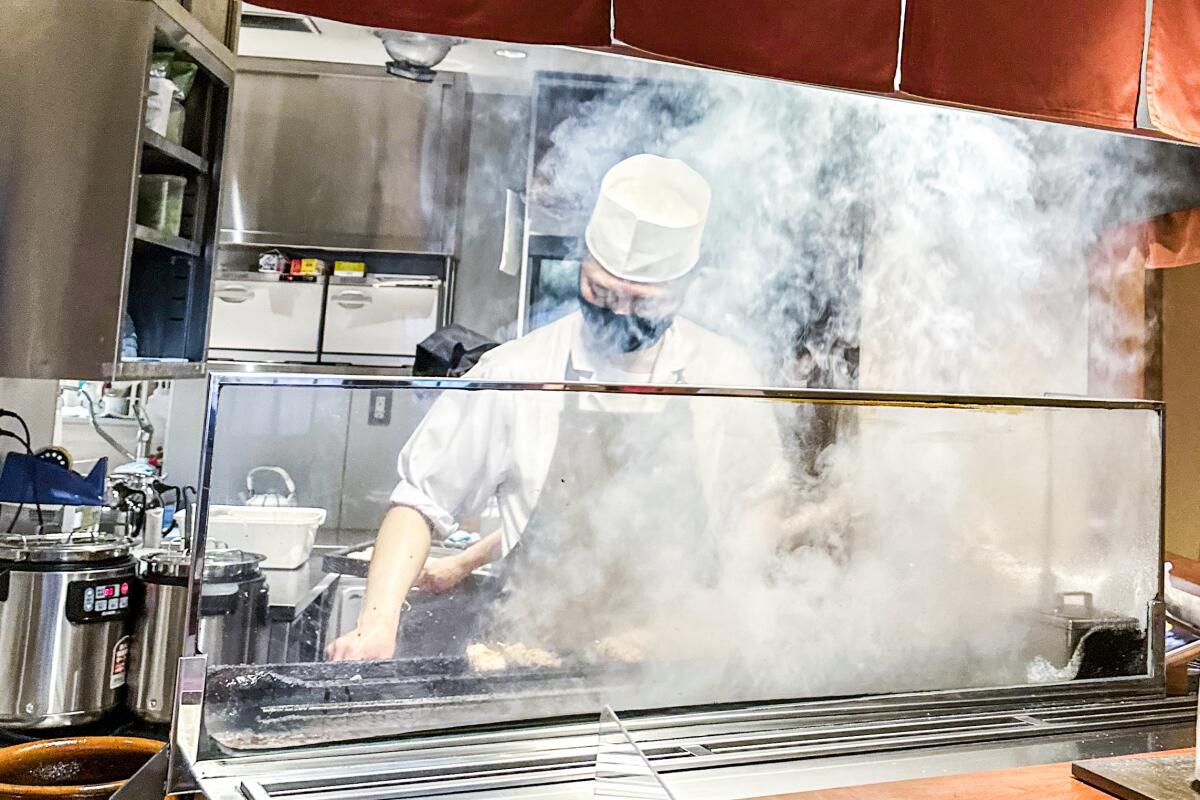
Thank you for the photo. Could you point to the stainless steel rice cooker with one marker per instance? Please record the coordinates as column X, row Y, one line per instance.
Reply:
column 66, row 604
column 233, row 620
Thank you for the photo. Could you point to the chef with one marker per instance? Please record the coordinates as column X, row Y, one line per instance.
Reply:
column 583, row 481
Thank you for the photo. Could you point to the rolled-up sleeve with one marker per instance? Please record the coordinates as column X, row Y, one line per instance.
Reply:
column 457, row 457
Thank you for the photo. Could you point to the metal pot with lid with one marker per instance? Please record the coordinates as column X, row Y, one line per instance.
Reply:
column 66, row 602
column 63, row 549
column 1082, row 641
column 233, row 619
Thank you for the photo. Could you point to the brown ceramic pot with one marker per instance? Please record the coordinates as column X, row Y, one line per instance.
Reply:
column 88, row 767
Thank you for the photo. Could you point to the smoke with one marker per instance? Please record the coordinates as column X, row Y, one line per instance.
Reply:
column 755, row 549
column 948, row 250
column 926, row 556
column 889, row 246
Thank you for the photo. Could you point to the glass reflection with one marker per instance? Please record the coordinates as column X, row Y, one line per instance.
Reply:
column 652, row 550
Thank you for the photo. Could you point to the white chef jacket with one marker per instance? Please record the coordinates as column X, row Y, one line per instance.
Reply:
column 475, row 445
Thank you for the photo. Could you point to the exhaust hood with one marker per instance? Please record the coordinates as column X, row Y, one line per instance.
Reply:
column 343, row 157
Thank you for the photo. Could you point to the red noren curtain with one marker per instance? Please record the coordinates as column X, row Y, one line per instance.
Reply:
column 845, row 43
column 1068, row 60
column 568, row 22
column 1173, row 68
column 1075, row 61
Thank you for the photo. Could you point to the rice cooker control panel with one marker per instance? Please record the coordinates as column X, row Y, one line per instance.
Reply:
column 100, row 600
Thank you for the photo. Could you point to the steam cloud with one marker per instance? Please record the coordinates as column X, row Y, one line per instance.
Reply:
column 889, row 246
column 857, row 242
column 950, row 247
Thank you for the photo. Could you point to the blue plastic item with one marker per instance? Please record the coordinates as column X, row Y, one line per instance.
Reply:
column 129, row 340
column 55, row 485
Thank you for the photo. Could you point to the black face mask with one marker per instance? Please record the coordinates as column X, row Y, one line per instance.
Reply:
column 621, row 333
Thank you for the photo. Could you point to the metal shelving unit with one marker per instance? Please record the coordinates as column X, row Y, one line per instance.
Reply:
column 175, row 244
column 159, row 154
column 152, row 369
column 79, row 262
column 168, row 284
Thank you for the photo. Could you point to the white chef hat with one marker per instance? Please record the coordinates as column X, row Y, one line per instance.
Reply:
column 648, row 219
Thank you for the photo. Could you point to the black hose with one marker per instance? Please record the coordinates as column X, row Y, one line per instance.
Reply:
column 27, row 441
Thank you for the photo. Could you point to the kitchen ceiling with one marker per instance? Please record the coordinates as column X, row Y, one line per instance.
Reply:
column 492, row 66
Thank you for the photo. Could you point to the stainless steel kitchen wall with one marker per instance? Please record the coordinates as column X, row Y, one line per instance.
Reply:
column 372, row 445
column 342, row 458
column 346, row 157
column 486, row 299
column 305, row 435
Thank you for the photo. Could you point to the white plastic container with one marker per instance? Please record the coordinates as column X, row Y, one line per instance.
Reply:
column 158, row 105
column 284, row 535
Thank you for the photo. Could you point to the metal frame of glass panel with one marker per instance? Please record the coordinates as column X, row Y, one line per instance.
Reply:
column 186, row 732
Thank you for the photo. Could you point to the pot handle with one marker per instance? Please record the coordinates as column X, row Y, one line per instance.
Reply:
column 352, row 298
column 280, row 471
column 235, row 293
column 1077, row 599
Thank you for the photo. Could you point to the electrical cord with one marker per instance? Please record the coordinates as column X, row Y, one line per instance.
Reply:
column 180, row 501
column 28, row 443
column 5, row 413
column 37, row 501
column 185, row 507
column 12, row 523
column 143, row 509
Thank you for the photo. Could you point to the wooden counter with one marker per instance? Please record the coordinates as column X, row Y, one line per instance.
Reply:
column 1046, row 782
column 1185, row 571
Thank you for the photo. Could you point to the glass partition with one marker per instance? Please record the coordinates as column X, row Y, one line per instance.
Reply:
column 674, row 547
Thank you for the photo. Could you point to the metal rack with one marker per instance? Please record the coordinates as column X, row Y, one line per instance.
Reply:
column 168, row 285
column 71, row 202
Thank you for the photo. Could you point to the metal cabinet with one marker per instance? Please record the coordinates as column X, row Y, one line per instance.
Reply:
column 259, row 317
column 343, row 157
column 379, row 321
column 343, row 162
column 72, row 145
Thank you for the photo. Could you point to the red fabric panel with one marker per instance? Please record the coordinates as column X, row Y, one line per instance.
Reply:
column 1174, row 240
column 1118, row 340
column 845, row 43
column 573, row 22
column 1069, row 60
column 1173, row 68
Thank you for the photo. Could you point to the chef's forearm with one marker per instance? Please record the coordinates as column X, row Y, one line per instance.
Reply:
column 485, row 551
column 400, row 552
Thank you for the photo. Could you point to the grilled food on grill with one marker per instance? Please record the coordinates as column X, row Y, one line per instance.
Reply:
column 498, row 656
column 484, row 659
column 628, row 648
column 523, row 656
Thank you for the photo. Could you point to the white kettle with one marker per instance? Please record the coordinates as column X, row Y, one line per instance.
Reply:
column 254, row 498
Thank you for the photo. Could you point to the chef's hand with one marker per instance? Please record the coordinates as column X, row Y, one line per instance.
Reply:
column 362, row 644
column 443, row 574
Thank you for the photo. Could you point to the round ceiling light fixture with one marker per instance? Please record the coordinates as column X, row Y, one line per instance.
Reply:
column 511, row 52
column 414, row 55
